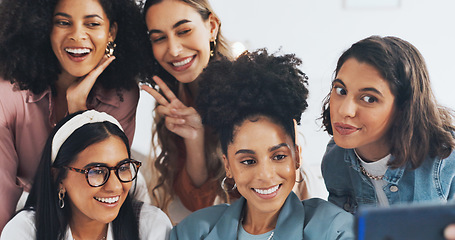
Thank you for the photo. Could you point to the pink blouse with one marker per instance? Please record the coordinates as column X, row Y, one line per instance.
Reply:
column 27, row 119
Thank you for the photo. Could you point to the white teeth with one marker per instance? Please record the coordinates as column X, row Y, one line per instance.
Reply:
column 77, row 50
column 179, row 64
column 108, row 200
column 268, row 191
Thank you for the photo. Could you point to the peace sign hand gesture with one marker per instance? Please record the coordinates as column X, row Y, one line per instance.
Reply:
column 179, row 119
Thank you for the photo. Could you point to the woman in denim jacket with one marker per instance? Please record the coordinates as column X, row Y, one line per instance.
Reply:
column 392, row 142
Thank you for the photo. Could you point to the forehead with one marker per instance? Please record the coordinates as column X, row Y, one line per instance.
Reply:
column 80, row 7
column 355, row 74
column 259, row 134
column 109, row 151
column 165, row 14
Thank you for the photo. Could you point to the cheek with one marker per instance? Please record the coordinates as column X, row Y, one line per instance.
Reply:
column 100, row 39
column 127, row 187
column 333, row 106
column 56, row 40
column 288, row 171
column 158, row 51
column 241, row 176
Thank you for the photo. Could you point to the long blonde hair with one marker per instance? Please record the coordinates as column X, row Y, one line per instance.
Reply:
column 165, row 148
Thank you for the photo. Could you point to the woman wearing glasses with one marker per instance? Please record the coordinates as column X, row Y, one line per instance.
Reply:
column 81, row 188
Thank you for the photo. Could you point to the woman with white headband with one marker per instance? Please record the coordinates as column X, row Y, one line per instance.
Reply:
column 81, row 189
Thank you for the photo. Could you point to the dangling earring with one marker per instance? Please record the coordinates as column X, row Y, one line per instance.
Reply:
column 223, row 185
column 212, row 47
column 110, row 49
column 61, row 196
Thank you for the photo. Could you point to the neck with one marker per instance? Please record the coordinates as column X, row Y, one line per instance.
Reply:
column 88, row 230
column 373, row 153
column 187, row 92
column 255, row 222
column 64, row 81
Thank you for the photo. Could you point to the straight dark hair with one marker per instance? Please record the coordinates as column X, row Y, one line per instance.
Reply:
column 421, row 127
column 52, row 221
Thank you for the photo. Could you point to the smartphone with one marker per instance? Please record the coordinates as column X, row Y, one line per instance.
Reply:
column 403, row 222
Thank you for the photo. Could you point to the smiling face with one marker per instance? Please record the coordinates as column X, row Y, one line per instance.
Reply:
column 362, row 109
column 97, row 204
column 180, row 38
column 262, row 160
column 79, row 36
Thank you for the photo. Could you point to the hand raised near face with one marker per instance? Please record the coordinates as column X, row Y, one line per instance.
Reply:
column 77, row 93
column 179, row 119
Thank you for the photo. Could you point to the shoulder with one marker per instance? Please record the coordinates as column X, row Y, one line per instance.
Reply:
column 10, row 93
column 316, row 206
column 199, row 223
column 131, row 96
column 153, row 223
column 437, row 165
column 333, row 151
column 324, row 217
column 334, row 159
column 117, row 98
column 446, row 169
column 25, row 221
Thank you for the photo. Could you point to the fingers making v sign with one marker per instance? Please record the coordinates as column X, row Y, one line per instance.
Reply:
column 179, row 118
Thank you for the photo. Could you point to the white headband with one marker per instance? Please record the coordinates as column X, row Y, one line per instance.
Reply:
column 90, row 116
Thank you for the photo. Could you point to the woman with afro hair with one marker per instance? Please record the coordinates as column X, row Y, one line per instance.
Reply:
column 254, row 104
column 56, row 58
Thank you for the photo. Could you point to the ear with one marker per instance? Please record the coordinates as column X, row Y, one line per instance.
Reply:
column 113, row 31
column 214, row 24
column 298, row 150
column 60, row 186
column 227, row 168
column 298, row 156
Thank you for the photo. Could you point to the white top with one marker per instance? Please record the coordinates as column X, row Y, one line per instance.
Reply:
column 377, row 168
column 153, row 225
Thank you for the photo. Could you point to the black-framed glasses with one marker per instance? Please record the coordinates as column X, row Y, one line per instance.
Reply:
column 97, row 175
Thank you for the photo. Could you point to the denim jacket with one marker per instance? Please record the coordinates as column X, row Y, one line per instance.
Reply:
column 348, row 187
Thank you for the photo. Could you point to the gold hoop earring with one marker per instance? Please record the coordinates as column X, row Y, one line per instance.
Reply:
column 61, row 196
column 212, row 47
column 110, row 49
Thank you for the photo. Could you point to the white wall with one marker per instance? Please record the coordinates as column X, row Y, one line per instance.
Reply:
column 318, row 31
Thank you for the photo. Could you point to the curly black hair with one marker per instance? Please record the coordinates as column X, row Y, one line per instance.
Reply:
column 257, row 83
column 27, row 58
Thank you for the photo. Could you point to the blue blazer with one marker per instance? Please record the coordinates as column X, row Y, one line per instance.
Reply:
column 309, row 219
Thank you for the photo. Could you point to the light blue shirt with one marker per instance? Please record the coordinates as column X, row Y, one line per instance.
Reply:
column 244, row 235
column 348, row 187
column 309, row 219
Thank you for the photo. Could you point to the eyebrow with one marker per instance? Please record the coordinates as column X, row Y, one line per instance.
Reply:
column 271, row 149
column 368, row 89
column 85, row 17
column 176, row 25
column 247, row 151
column 95, row 164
